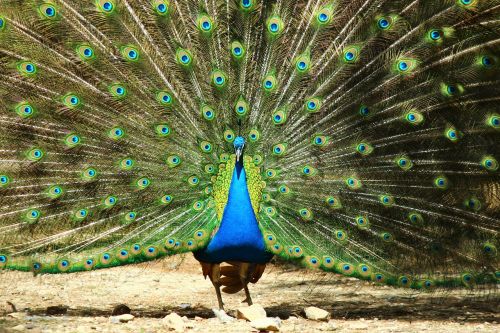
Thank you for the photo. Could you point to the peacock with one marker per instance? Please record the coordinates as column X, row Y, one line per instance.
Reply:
column 359, row 137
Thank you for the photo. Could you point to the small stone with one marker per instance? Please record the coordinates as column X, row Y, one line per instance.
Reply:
column 333, row 326
column 125, row 318
column 315, row 313
column 223, row 316
column 266, row 324
column 185, row 305
column 18, row 315
column 19, row 328
column 198, row 318
column 251, row 313
column 174, row 322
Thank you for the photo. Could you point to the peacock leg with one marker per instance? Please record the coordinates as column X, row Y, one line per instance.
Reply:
column 245, row 274
column 215, row 278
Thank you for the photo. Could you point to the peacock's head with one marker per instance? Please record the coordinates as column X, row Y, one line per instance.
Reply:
column 239, row 145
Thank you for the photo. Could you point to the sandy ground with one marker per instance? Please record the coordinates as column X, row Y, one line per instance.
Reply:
column 83, row 302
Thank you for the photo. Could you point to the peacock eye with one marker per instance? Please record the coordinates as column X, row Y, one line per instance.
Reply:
column 162, row 8
column 383, row 23
column 130, row 53
column 4, row 180
column 435, row 34
column 107, row 6
column 487, row 61
column 303, row 65
column 50, row 11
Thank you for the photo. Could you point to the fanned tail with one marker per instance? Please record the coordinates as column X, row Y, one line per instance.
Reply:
column 372, row 132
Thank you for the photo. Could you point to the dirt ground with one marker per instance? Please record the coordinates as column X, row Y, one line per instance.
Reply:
column 83, row 302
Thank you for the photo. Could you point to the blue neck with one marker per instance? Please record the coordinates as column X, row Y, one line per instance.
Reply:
column 239, row 237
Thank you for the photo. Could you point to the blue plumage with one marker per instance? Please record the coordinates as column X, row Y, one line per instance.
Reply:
column 239, row 237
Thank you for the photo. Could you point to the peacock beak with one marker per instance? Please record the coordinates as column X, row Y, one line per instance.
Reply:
column 239, row 151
